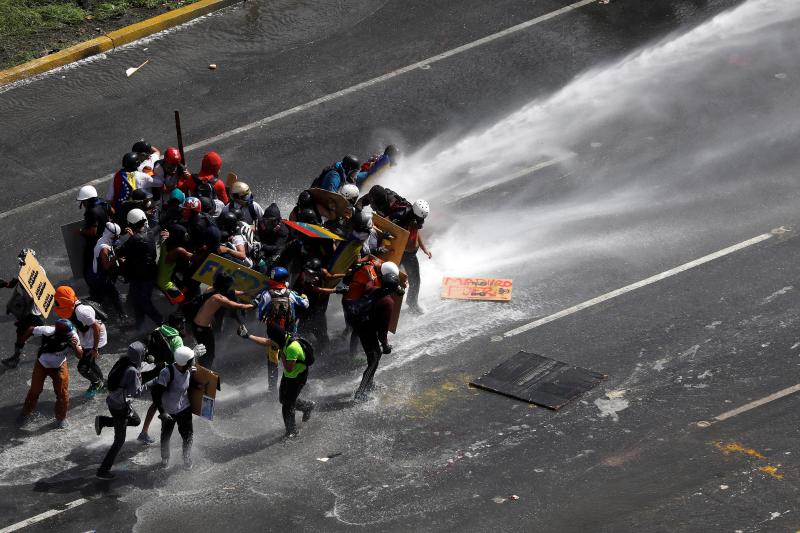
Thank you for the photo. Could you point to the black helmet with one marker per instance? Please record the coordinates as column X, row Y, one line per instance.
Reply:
column 228, row 221
column 223, row 281
column 305, row 200
column 177, row 321
column 130, row 162
column 237, row 211
column 307, row 215
column 392, row 151
column 390, row 281
column 207, row 205
column 350, row 163
column 140, row 195
column 312, row 265
column 142, row 147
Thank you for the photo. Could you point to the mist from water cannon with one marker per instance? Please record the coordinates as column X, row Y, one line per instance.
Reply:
column 625, row 146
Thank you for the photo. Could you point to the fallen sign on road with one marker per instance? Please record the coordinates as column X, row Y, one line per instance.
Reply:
column 485, row 289
column 539, row 380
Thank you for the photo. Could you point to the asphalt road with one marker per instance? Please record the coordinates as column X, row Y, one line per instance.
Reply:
column 428, row 452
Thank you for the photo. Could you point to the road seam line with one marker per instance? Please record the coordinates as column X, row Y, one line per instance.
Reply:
column 750, row 406
column 43, row 516
column 633, row 286
column 332, row 96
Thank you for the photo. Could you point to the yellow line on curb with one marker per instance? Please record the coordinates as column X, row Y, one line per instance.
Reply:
column 112, row 40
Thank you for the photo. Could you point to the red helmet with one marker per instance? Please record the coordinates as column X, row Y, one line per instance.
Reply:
column 190, row 205
column 172, row 156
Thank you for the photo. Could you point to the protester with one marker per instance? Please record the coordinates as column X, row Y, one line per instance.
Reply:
column 295, row 374
column 22, row 308
column 57, row 341
column 335, row 176
column 171, row 394
column 128, row 179
column 103, row 276
column 138, row 258
column 91, row 332
column 124, row 384
column 95, row 215
column 412, row 220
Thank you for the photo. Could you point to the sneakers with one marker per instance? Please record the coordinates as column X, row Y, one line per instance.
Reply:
column 98, row 426
column 145, row 439
column 164, row 463
column 291, row 435
column 104, row 474
column 307, row 411
column 62, row 424
column 188, row 464
column 11, row 362
column 90, row 393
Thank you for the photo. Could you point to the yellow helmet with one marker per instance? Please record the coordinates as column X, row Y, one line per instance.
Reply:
column 240, row 190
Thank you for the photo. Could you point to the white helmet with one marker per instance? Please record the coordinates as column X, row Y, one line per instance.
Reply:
column 113, row 229
column 183, row 355
column 389, row 267
column 421, row 208
column 135, row 216
column 350, row 192
column 86, row 192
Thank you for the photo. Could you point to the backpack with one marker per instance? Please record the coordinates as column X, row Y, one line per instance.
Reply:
column 308, row 350
column 159, row 348
column 99, row 314
column 205, row 189
column 281, row 311
column 317, row 183
column 191, row 307
column 117, row 373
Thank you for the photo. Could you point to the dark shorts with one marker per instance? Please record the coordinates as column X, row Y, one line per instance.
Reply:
column 28, row 321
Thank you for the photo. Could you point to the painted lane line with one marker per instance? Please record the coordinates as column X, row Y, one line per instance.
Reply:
column 44, row 516
column 332, row 96
column 750, row 406
column 639, row 284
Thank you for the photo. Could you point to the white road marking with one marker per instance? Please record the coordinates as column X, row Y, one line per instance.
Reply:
column 44, row 516
column 633, row 286
column 423, row 64
column 750, row 406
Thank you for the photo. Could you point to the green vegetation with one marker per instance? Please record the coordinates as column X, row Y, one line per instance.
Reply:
column 30, row 28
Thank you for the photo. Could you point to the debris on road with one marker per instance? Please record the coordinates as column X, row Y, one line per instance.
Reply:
column 133, row 70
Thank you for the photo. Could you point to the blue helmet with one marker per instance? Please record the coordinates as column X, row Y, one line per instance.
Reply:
column 280, row 274
column 64, row 328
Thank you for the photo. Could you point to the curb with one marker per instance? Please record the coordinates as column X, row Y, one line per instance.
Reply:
column 112, row 40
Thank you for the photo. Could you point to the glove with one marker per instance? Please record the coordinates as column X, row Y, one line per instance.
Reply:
column 387, row 348
column 341, row 289
column 165, row 417
column 199, row 350
column 242, row 332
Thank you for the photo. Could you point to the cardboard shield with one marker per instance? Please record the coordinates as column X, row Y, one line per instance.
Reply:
column 344, row 257
column 393, row 237
column 202, row 399
column 34, row 280
column 485, row 289
column 330, row 205
column 75, row 244
column 244, row 279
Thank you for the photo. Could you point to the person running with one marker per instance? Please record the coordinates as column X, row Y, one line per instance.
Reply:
column 124, row 384
column 22, row 308
column 91, row 331
column 220, row 296
column 57, row 341
column 371, row 322
column 295, row 374
column 171, row 394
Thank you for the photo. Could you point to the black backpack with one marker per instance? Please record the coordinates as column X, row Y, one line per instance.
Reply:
column 308, row 350
column 205, row 189
column 117, row 373
column 317, row 183
column 99, row 314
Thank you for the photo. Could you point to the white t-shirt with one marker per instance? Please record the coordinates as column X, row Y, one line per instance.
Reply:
column 52, row 360
column 150, row 162
column 175, row 398
column 86, row 316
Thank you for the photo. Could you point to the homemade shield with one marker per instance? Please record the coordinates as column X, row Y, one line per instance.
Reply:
column 312, row 230
column 74, row 243
column 202, row 399
column 392, row 237
column 539, row 380
column 244, row 279
column 330, row 205
column 487, row 289
column 34, row 280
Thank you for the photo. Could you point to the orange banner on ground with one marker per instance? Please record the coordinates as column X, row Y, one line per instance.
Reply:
column 490, row 289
